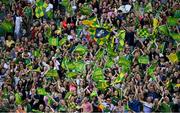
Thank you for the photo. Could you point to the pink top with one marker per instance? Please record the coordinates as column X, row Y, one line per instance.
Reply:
column 72, row 88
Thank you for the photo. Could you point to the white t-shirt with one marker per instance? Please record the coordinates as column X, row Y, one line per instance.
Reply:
column 50, row 6
column 18, row 24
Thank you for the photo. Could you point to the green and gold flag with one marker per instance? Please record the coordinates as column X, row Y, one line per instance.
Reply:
column 164, row 30
column 143, row 59
column 52, row 73
column 120, row 78
column 124, row 62
column 7, row 26
column 171, row 21
column 80, row 49
column 41, row 91
column 173, row 57
column 109, row 63
column 148, row 8
column 54, row 41
column 85, row 10
column 18, row 99
column 62, row 41
column 99, row 54
column 102, row 84
column 71, row 74
column 143, row 33
column 175, row 36
column 79, row 66
column 98, row 74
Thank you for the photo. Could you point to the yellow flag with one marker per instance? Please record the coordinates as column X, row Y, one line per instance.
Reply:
column 173, row 57
column 155, row 23
column 177, row 85
column 87, row 22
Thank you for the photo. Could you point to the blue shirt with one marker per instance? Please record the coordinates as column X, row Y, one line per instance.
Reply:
column 135, row 105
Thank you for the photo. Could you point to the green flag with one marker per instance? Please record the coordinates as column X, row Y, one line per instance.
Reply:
column 67, row 5
column 52, row 73
column 79, row 66
column 27, row 11
column 39, row 12
column 78, row 30
column 111, row 52
column 18, row 99
column 80, row 49
column 124, row 62
column 175, row 36
column 143, row 59
column 93, row 94
column 177, row 14
column 49, row 14
column 62, row 41
column 54, row 41
column 120, row 77
column 171, row 21
column 36, row 53
column 72, row 74
column 99, row 54
column 7, row 26
column 109, row 63
column 68, row 95
column 48, row 32
column 164, row 30
column 41, row 91
column 102, row 84
column 64, row 61
column 85, row 10
column 151, row 69
column 98, row 74
column 70, row 65
column 148, row 8
column 143, row 33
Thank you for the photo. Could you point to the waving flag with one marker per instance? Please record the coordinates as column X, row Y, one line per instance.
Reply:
column 148, row 8
column 177, row 14
column 143, row 59
column 175, row 36
column 72, row 74
column 109, row 63
column 101, row 36
column 99, row 54
column 171, row 21
column 28, row 11
column 80, row 49
column 102, row 84
column 110, row 51
column 151, row 69
column 41, row 91
column 79, row 66
column 7, row 26
column 120, row 77
column 70, row 65
column 85, row 10
column 62, row 41
column 124, row 62
column 18, row 99
column 164, row 30
column 54, row 41
column 52, row 73
column 98, row 74
column 143, row 33
column 101, row 32
column 173, row 57
column 36, row 53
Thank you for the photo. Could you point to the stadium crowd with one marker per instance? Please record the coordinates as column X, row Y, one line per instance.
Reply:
column 89, row 56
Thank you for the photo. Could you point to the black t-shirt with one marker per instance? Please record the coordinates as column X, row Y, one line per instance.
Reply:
column 129, row 38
